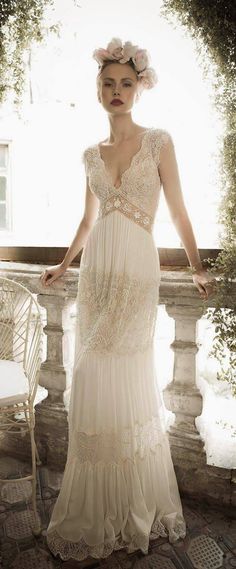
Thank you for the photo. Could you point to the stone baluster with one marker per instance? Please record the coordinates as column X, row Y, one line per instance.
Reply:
column 182, row 395
column 195, row 477
column 55, row 376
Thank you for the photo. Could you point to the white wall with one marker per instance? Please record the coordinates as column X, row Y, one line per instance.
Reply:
column 48, row 179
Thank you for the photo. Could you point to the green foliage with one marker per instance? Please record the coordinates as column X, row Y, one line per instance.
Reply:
column 21, row 24
column 212, row 25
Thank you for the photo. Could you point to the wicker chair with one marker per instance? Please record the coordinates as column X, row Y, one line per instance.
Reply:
column 21, row 336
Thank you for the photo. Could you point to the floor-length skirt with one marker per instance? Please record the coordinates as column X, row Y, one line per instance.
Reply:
column 119, row 488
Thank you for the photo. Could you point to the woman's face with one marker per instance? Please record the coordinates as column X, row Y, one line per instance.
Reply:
column 118, row 81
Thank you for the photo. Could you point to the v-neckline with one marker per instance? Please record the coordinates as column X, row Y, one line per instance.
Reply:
column 135, row 155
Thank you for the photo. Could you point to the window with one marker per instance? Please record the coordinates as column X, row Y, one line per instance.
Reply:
column 4, row 187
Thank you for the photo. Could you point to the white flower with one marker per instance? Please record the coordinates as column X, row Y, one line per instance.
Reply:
column 114, row 48
column 136, row 214
column 129, row 51
column 145, row 220
column 117, row 203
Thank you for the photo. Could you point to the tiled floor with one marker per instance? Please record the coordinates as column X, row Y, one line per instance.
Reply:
column 210, row 542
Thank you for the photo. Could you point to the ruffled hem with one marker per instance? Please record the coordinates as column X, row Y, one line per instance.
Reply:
column 81, row 550
column 116, row 507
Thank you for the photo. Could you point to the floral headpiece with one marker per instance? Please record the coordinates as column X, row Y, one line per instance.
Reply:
column 147, row 76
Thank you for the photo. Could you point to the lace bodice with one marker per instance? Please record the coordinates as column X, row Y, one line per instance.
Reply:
column 138, row 194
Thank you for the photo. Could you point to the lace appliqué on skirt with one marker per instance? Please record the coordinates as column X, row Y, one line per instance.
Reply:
column 116, row 312
column 116, row 447
column 134, row 213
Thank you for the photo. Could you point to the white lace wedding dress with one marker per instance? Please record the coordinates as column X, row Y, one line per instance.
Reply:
column 119, row 488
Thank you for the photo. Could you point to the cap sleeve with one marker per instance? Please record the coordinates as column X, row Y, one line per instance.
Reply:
column 84, row 160
column 87, row 158
column 161, row 139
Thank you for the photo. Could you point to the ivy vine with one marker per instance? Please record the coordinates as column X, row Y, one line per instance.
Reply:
column 21, row 24
column 212, row 26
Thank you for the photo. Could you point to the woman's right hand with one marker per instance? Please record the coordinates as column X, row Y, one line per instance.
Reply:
column 51, row 274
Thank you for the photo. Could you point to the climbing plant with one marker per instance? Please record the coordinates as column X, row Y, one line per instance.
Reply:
column 212, row 26
column 21, row 24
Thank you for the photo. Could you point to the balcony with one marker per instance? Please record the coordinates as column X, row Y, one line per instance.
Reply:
column 197, row 478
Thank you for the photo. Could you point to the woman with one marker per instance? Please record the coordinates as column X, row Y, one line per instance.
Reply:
column 119, row 488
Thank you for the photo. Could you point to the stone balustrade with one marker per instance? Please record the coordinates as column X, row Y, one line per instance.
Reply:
column 182, row 301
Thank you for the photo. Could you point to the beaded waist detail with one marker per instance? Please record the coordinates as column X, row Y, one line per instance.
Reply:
column 127, row 208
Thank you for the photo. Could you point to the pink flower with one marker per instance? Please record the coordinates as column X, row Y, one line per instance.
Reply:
column 148, row 78
column 141, row 59
column 101, row 55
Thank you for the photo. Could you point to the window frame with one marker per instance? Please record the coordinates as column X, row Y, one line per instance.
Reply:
column 7, row 171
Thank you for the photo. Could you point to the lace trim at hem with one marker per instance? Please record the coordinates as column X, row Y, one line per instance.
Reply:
column 81, row 550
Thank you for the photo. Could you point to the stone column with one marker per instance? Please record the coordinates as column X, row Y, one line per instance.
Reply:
column 55, row 376
column 53, row 373
column 182, row 395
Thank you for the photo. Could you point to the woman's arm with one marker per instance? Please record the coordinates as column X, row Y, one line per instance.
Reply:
column 85, row 226
column 79, row 241
column 169, row 175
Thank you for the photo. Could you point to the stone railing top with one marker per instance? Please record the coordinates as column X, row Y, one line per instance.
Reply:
column 176, row 285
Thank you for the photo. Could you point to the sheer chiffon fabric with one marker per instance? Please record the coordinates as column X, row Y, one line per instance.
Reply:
column 119, row 488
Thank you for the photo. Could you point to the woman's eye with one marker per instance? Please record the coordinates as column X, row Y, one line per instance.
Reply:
column 109, row 84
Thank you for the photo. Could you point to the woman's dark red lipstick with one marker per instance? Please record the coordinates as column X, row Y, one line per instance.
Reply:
column 116, row 102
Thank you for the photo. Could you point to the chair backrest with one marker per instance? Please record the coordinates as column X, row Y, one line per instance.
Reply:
column 21, row 328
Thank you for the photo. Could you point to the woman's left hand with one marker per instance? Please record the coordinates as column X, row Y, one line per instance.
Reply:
column 205, row 284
